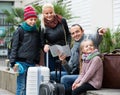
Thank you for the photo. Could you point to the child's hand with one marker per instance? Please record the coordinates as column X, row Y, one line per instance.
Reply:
column 75, row 85
column 15, row 68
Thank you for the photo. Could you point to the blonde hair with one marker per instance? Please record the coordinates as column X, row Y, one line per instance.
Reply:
column 47, row 5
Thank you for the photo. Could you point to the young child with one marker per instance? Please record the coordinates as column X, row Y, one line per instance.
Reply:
column 91, row 74
column 25, row 50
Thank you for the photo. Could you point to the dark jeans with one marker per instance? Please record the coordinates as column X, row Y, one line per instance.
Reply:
column 53, row 62
column 57, row 78
column 81, row 89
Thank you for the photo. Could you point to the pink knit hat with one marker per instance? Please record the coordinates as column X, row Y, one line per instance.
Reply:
column 29, row 12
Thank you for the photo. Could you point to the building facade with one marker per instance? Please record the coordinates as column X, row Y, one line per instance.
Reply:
column 90, row 14
column 96, row 13
column 5, row 27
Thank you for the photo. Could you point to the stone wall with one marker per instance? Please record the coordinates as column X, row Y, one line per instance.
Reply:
column 8, row 80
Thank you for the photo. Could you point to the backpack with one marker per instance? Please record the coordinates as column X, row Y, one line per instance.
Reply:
column 19, row 29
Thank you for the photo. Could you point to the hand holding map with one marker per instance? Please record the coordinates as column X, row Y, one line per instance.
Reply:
column 56, row 49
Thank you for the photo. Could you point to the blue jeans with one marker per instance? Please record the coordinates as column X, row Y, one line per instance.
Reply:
column 21, row 79
column 68, row 80
column 53, row 75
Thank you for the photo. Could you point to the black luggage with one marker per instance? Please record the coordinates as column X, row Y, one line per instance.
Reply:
column 52, row 87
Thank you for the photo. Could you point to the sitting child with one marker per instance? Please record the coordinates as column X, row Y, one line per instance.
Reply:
column 91, row 75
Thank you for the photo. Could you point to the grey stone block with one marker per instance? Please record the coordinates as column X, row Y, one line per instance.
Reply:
column 104, row 91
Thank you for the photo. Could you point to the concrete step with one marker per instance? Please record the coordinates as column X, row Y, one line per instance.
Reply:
column 5, row 92
column 104, row 91
column 7, row 80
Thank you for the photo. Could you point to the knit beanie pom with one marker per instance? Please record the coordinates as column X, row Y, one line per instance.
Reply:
column 29, row 12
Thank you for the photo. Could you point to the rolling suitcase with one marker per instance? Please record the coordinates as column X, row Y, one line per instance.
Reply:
column 52, row 87
column 36, row 76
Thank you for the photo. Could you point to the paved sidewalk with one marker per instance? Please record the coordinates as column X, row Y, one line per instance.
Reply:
column 5, row 92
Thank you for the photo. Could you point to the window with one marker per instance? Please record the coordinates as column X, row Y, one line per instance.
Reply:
column 116, row 13
column 81, row 11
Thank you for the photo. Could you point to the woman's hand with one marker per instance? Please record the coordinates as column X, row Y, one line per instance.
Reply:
column 46, row 48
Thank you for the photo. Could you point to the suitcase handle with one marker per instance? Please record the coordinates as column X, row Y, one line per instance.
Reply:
column 116, row 51
column 47, row 59
column 58, row 62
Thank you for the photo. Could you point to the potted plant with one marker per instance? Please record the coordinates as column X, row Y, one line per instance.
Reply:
column 116, row 38
column 106, row 44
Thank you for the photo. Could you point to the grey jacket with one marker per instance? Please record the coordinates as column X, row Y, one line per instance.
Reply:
column 72, row 66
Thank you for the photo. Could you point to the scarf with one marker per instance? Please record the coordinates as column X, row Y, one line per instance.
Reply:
column 87, row 57
column 53, row 23
column 29, row 28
